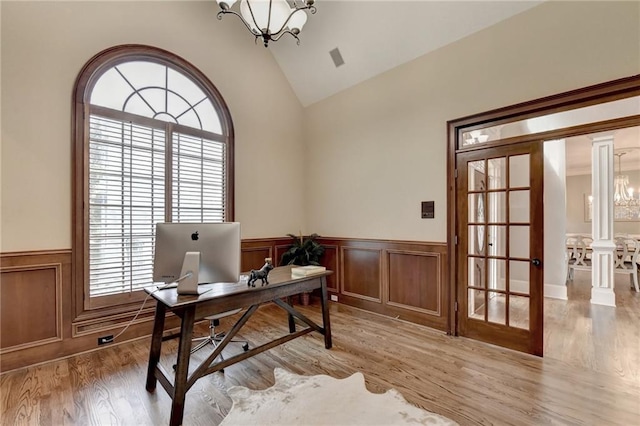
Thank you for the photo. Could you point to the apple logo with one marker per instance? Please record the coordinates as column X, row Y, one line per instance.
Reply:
column 194, row 236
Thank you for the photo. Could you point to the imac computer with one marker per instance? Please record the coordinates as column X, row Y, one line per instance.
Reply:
column 196, row 253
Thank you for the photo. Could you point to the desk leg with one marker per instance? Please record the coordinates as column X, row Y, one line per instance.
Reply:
column 326, row 322
column 156, row 346
column 292, row 323
column 182, row 366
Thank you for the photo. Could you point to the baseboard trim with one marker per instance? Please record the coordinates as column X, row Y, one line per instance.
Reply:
column 554, row 291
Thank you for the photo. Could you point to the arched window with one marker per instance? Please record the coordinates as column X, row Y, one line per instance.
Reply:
column 153, row 143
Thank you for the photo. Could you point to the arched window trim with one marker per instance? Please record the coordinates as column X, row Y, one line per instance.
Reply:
column 81, row 109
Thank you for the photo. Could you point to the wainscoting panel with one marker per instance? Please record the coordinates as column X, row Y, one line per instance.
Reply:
column 414, row 281
column 401, row 279
column 361, row 273
column 329, row 260
column 253, row 257
column 36, row 305
column 31, row 309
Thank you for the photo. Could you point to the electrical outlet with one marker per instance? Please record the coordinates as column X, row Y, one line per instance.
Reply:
column 105, row 339
column 334, row 297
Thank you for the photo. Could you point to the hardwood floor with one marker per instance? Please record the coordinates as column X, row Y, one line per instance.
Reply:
column 595, row 337
column 467, row 381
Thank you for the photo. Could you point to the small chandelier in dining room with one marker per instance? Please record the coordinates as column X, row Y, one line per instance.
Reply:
column 621, row 193
column 626, row 202
column 270, row 19
column 626, row 206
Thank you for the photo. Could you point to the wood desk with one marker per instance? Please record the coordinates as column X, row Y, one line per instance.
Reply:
column 224, row 297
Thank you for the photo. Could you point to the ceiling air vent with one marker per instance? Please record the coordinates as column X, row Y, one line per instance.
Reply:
column 337, row 57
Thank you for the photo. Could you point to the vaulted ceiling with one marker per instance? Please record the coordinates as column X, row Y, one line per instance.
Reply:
column 376, row 36
column 379, row 35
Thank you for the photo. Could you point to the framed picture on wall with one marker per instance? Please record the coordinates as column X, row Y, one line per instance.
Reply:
column 587, row 207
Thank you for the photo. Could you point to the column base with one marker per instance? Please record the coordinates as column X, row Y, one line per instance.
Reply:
column 603, row 296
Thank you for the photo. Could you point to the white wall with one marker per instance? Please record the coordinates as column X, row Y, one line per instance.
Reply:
column 375, row 151
column 555, row 268
column 369, row 154
column 45, row 44
column 580, row 186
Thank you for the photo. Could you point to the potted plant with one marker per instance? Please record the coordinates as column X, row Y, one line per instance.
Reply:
column 303, row 251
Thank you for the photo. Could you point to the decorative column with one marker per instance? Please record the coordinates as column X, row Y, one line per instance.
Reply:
column 602, row 259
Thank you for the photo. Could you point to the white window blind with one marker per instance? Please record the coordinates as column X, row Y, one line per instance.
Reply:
column 198, row 182
column 126, row 199
column 128, row 196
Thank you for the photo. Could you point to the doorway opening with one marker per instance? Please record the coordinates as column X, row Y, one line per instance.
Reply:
column 511, row 269
column 577, row 331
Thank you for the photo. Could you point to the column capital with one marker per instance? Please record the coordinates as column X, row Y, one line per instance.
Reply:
column 602, row 137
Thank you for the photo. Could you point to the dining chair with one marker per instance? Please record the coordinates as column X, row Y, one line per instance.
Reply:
column 578, row 254
column 626, row 260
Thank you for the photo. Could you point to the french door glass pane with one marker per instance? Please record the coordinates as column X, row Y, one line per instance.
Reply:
column 476, row 239
column 476, row 272
column 519, row 241
column 496, row 240
column 476, row 305
column 519, row 171
column 497, row 207
column 519, row 278
column 497, row 274
column 519, row 206
column 496, row 309
column 519, row 312
column 477, row 213
column 497, row 173
column 477, row 176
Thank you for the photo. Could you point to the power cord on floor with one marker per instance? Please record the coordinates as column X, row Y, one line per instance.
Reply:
column 138, row 313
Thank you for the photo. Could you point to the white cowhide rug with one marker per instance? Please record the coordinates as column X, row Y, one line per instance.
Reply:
column 323, row 400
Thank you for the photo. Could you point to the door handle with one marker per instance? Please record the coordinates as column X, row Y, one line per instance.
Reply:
column 536, row 262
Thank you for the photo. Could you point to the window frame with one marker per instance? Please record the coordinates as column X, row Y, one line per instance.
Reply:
column 84, row 306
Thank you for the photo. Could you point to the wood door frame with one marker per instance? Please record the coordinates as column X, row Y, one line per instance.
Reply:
column 591, row 95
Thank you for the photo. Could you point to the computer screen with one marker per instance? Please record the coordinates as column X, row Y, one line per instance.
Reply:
column 218, row 246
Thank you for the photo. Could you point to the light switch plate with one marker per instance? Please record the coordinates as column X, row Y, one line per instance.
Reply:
column 428, row 210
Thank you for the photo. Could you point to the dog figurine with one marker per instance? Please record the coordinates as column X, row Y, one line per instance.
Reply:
column 261, row 274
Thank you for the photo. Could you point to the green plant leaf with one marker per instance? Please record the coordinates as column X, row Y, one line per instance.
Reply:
column 302, row 252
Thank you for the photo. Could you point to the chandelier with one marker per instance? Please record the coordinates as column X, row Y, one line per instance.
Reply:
column 622, row 193
column 625, row 206
column 270, row 19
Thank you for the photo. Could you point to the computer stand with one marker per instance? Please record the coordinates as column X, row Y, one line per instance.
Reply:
column 188, row 281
